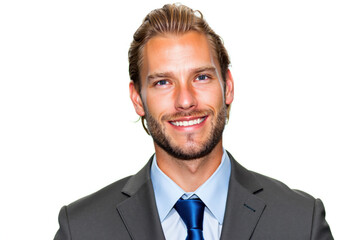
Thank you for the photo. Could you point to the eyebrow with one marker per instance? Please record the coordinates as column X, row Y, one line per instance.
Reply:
column 159, row 75
column 210, row 69
column 198, row 70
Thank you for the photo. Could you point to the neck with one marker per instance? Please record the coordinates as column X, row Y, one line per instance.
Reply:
column 189, row 174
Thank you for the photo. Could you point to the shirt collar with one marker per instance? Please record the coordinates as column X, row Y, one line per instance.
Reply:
column 213, row 192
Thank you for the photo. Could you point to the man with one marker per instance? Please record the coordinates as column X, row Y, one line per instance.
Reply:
column 191, row 188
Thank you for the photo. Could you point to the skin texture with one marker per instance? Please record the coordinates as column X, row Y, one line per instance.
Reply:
column 181, row 81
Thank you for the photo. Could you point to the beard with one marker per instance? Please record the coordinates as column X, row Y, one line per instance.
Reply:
column 191, row 150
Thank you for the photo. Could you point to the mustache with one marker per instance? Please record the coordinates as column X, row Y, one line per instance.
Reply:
column 193, row 113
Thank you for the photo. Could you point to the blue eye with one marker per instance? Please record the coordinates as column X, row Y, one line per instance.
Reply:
column 202, row 77
column 162, row 82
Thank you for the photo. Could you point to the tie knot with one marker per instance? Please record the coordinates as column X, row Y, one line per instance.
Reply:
column 191, row 211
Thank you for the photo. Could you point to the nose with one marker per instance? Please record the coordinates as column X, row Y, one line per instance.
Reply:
column 185, row 99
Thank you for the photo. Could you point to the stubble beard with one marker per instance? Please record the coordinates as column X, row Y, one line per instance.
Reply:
column 192, row 150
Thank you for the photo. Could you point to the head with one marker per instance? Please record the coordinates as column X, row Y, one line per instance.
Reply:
column 162, row 34
column 173, row 19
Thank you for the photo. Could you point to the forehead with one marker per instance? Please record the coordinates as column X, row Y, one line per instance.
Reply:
column 176, row 53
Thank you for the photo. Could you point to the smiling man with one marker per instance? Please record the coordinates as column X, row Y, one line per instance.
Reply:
column 191, row 188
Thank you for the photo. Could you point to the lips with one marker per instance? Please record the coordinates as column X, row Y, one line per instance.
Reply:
column 187, row 123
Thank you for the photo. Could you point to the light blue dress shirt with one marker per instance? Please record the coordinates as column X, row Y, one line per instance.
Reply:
column 213, row 193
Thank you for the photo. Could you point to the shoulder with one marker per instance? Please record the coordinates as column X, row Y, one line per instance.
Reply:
column 110, row 196
column 273, row 187
column 295, row 210
column 105, row 198
column 281, row 200
column 267, row 188
column 90, row 216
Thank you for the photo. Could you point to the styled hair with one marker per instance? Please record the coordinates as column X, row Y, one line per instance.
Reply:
column 173, row 19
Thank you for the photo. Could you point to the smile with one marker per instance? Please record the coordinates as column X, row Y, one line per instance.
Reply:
column 188, row 123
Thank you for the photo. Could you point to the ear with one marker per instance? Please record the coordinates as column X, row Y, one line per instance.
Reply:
column 229, row 88
column 136, row 99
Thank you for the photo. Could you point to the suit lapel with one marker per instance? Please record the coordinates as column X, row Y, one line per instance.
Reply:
column 139, row 212
column 244, row 208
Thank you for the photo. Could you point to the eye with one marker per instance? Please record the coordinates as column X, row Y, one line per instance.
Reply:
column 162, row 83
column 202, row 77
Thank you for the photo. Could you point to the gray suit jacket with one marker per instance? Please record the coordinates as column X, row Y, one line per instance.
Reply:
column 258, row 207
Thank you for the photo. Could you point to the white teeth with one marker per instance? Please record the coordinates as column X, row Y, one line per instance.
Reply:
column 188, row 123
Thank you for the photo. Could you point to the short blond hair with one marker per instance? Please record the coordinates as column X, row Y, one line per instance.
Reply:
column 172, row 19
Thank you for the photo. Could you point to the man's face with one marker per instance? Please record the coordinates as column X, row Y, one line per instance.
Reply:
column 182, row 96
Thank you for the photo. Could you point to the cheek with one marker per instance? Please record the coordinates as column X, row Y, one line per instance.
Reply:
column 212, row 97
column 158, row 104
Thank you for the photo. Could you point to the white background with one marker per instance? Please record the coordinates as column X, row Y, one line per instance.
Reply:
column 67, row 126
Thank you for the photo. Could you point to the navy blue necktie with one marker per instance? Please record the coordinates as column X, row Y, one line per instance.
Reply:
column 191, row 211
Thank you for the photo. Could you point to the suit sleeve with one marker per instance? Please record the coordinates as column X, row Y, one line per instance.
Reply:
column 320, row 228
column 64, row 231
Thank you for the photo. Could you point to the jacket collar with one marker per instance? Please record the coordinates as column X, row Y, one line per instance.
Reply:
column 139, row 211
column 244, row 208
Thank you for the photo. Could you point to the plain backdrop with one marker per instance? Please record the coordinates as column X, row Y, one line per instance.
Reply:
column 68, row 128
